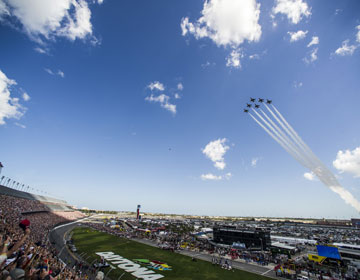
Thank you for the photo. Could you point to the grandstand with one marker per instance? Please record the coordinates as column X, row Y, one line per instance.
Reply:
column 26, row 221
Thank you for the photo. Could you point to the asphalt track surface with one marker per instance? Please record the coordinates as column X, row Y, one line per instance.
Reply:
column 57, row 238
column 58, row 234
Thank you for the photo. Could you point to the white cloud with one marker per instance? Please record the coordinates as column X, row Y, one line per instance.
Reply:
column 358, row 34
column 257, row 56
column 348, row 161
column 215, row 151
column 309, row 176
column 100, row 1
column 254, row 56
column 312, row 56
column 210, row 176
column 233, row 60
column 180, row 86
column 61, row 73
column 40, row 50
column 208, row 64
column 295, row 10
column 51, row 72
column 254, row 162
column 337, row 11
column 220, row 165
column 314, row 41
column 226, row 22
column 25, row 96
column 162, row 98
column 298, row 84
column 164, row 102
column 3, row 9
column 48, row 19
column 346, row 49
column 169, row 107
column 9, row 106
column 79, row 26
column 296, row 36
column 20, row 125
column 156, row 85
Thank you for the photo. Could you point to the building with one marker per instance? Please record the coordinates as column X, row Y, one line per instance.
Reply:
column 355, row 223
column 281, row 248
column 349, row 252
column 252, row 239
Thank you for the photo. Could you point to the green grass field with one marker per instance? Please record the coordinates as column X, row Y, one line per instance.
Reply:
column 91, row 241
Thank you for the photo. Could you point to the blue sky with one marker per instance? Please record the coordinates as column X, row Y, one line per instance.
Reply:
column 140, row 102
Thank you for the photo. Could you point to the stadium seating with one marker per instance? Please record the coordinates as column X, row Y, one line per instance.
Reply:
column 25, row 251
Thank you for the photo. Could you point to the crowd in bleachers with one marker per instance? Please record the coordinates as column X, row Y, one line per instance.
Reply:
column 25, row 252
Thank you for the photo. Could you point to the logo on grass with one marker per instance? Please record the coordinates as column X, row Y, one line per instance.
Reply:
column 134, row 268
column 157, row 265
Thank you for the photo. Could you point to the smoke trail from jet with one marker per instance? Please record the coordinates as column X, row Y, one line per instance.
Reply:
column 285, row 138
column 272, row 135
column 296, row 140
column 289, row 149
column 291, row 142
column 315, row 161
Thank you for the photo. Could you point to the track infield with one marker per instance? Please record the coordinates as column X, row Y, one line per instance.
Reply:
column 90, row 242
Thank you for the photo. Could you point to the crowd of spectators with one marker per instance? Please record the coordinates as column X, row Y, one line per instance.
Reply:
column 25, row 252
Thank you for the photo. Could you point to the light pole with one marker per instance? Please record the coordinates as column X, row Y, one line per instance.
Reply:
column 1, row 167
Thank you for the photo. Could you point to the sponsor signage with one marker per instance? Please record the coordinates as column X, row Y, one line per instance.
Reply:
column 129, row 266
column 315, row 258
column 331, row 252
column 157, row 265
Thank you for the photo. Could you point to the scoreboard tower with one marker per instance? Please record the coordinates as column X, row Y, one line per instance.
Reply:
column 138, row 212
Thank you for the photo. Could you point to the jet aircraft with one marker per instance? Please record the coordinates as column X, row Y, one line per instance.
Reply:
column 252, row 99
column 257, row 106
column 248, row 105
column 261, row 100
column 246, row 111
column 268, row 101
